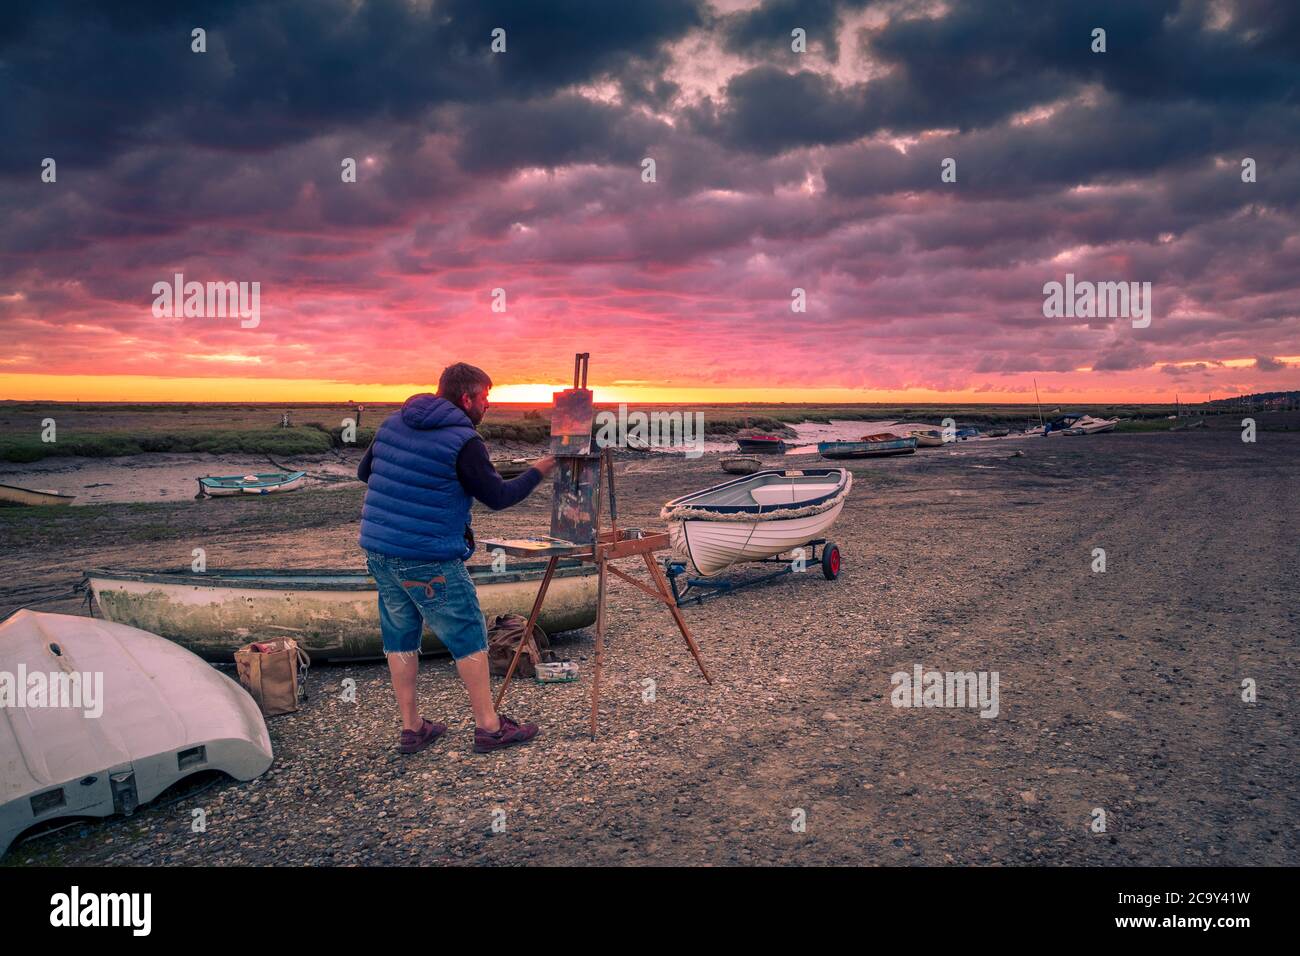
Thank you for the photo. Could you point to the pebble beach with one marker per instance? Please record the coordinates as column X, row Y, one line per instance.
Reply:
column 1120, row 690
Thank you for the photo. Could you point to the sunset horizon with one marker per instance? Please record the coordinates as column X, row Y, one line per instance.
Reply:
column 879, row 202
column 145, row 389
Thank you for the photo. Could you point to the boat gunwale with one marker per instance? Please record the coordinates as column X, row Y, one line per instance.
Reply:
column 280, row 579
column 37, row 491
column 757, row 509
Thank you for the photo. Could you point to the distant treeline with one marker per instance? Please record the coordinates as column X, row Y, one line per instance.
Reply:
column 312, row 438
column 1260, row 398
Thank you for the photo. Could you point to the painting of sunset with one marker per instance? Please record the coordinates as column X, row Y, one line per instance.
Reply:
column 747, row 433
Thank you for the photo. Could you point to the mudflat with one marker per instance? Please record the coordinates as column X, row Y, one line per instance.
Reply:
column 1120, row 691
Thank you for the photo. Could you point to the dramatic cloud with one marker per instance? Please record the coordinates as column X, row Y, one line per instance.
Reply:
column 1169, row 159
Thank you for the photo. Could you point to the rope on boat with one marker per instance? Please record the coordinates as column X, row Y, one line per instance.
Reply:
column 319, row 476
column 78, row 590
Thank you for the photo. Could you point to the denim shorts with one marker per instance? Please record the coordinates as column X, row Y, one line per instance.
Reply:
column 441, row 594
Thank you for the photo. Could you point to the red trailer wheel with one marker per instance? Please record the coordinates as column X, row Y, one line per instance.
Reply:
column 831, row 561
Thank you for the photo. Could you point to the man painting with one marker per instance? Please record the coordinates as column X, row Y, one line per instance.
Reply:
column 426, row 464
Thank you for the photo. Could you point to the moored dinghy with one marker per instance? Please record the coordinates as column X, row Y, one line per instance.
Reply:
column 259, row 484
column 927, row 437
column 771, row 444
column 880, row 445
column 750, row 519
column 1087, row 425
column 154, row 715
column 14, row 495
column 333, row 614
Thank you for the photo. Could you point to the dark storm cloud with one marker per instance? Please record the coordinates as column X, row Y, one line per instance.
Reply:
column 764, row 31
column 1123, row 357
column 84, row 82
column 774, row 171
column 985, row 61
column 560, row 131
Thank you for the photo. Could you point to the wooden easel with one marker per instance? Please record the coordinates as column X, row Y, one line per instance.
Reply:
column 606, row 547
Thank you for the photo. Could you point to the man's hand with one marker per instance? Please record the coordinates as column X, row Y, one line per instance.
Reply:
column 545, row 465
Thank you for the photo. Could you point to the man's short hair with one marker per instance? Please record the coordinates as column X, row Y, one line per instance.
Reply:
column 461, row 379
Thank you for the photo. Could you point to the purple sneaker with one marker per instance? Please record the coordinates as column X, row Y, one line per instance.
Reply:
column 509, row 734
column 413, row 741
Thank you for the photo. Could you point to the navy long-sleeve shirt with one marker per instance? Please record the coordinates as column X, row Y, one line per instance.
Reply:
column 479, row 478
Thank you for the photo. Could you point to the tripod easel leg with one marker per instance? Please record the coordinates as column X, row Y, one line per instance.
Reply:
column 528, row 631
column 658, row 575
column 600, row 643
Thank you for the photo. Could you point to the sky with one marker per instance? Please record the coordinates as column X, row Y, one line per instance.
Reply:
column 524, row 171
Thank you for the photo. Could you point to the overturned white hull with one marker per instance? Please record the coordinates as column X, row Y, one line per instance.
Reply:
column 163, row 715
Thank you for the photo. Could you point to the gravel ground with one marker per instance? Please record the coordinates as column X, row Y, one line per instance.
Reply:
column 1118, row 690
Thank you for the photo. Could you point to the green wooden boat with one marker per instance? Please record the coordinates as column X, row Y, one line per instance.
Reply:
column 259, row 484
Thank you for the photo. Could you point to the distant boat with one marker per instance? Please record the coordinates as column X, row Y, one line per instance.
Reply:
column 260, row 484
column 761, row 443
column 12, row 494
column 967, row 431
column 755, row 518
column 928, row 438
column 1058, row 425
column 741, row 465
column 998, row 432
column 871, row 446
column 511, row 467
column 1087, row 425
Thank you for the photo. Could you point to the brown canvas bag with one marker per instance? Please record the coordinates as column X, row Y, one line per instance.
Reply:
column 504, row 636
column 275, row 673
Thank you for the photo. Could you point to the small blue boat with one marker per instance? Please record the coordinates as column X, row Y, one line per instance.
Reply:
column 259, row 484
column 877, row 448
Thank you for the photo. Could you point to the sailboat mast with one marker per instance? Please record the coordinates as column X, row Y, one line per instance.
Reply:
column 1038, row 403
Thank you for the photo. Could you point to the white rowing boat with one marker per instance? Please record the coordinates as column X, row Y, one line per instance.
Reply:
column 754, row 518
column 927, row 437
column 123, row 715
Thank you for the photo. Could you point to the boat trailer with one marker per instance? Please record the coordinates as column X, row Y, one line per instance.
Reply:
column 699, row 590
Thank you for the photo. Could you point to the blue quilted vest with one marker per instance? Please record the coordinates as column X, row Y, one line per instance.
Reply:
column 415, row 505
